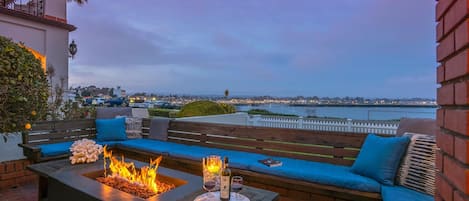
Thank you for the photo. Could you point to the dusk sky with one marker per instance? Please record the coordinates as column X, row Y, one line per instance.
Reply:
column 369, row 48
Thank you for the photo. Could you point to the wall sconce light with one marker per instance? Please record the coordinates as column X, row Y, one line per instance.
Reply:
column 72, row 49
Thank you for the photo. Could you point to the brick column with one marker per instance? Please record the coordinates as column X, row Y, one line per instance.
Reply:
column 452, row 34
column 14, row 173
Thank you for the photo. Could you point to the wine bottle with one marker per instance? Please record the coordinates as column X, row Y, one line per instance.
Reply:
column 225, row 184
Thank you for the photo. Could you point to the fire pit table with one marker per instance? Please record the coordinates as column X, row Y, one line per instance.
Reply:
column 59, row 180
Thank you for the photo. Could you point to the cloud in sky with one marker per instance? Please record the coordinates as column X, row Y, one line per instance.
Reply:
column 282, row 48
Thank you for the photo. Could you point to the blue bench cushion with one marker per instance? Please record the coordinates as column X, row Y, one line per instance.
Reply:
column 399, row 193
column 61, row 148
column 322, row 173
column 55, row 149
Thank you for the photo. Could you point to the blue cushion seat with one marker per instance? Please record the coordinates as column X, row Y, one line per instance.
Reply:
column 61, row 148
column 323, row 173
column 55, row 149
column 399, row 193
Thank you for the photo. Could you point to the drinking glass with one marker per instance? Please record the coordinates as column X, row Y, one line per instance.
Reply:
column 237, row 185
column 211, row 167
column 209, row 183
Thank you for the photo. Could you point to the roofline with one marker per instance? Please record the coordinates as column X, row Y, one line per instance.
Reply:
column 42, row 20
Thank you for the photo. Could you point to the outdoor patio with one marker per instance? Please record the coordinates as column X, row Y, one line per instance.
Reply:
column 338, row 165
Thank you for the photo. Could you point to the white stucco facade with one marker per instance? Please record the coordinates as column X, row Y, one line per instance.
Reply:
column 46, row 36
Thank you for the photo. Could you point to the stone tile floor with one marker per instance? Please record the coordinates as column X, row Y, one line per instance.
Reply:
column 28, row 192
column 24, row 192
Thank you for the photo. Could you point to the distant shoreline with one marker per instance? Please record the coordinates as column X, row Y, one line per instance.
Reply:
column 345, row 105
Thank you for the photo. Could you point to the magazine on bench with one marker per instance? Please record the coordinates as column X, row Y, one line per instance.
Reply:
column 271, row 162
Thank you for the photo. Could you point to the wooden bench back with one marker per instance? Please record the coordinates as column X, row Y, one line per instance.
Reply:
column 321, row 146
column 46, row 132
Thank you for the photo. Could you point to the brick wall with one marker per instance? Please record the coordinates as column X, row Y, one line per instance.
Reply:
column 452, row 36
column 14, row 173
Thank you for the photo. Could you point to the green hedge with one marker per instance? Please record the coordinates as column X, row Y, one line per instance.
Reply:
column 204, row 108
column 162, row 112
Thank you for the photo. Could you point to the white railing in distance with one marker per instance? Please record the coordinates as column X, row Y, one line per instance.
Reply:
column 322, row 124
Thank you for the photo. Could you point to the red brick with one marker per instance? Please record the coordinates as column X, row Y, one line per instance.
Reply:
column 458, row 175
column 457, row 196
column 440, row 117
column 26, row 179
column 11, row 175
column 19, row 165
column 26, row 163
column 445, row 48
column 439, row 161
column 455, row 14
column 445, row 190
column 440, row 74
column 439, row 31
column 9, row 167
column 441, row 8
column 438, row 197
column 461, row 96
column 31, row 177
column 445, row 95
column 457, row 120
column 457, row 66
column 2, row 168
column 461, row 149
column 462, row 35
column 28, row 172
column 445, row 142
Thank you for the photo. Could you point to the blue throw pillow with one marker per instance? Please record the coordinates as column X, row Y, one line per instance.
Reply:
column 379, row 158
column 110, row 129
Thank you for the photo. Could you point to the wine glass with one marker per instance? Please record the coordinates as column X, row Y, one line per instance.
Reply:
column 209, row 184
column 237, row 185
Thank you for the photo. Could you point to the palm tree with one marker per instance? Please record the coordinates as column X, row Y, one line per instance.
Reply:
column 227, row 93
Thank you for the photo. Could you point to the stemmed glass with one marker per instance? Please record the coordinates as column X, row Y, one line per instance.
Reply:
column 237, row 185
column 209, row 183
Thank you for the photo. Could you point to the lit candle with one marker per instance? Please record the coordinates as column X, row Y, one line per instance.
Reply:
column 213, row 168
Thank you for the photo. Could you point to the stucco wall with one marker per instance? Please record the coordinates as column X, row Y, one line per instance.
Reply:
column 56, row 8
column 48, row 40
column 10, row 150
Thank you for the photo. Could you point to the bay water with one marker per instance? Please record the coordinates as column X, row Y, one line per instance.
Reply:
column 352, row 112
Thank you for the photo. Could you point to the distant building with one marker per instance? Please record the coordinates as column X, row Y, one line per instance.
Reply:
column 42, row 26
column 119, row 92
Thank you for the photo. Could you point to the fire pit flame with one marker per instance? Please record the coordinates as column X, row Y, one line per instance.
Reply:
column 144, row 177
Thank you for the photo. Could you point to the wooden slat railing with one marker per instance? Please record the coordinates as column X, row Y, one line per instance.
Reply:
column 46, row 132
column 321, row 146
